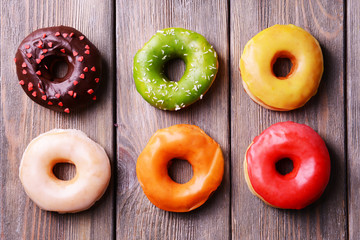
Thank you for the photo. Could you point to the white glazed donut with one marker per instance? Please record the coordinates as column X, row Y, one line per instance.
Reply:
column 64, row 146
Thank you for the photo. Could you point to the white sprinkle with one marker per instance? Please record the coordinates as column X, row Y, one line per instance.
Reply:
column 211, row 75
column 187, row 33
column 164, row 79
column 212, row 67
column 176, row 41
column 192, row 65
column 160, row 31
column 185, row 54
column 182, row 105
column 195, row 88
column 155, row 56
column 215, row 54
column 201, row 96
column 182, row 47
column 155, row 98
column 177, row 107
column 162, row 51
column 147, row 69
column 150, row 64
column 161, row 101
column 166, row 45
column 210, row 49
column 150, row 60
column 162, row 86
column 171, row 85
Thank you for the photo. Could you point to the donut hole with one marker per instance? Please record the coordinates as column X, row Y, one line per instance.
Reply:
column 284, row 166
column 180, row 170
column 174, row 69
column 55, row 68
column 283, row 65
column 64, row 171
column 59, row 68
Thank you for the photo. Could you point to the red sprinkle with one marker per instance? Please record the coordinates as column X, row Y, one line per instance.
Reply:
column 87, row 47
column 45, row 50
column 43, row 97
column 93, row 69
column 65, row 35
column 21, row 82
column 67, row 110
column 38, row 60
column 94, row 98
column 80, row 59
column 82, row 76
column 50, row 103
column 15, row 60
column 45, row 66
column 71, row 34
column 75, row 53
column 44, row 35
column 74, row 95
column 24, row 72
column 30, row 86
column 60, row 104
column 29, row 55
column 57, row 95
column 50, row 44
column 38, row 73
column 40, row 44
column 62, row 50
column 39, row 86
column 34, row 94
column 24, row 65
column 70, row 93
column 81, row 38
column 27, row 46
column 75, row 83
column 57, row 34
column 42, row 57
column 97, row 80
column 90, row 91
column 87, row 52
column 86, row 69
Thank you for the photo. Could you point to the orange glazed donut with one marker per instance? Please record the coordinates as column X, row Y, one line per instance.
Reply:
column 259, row 56
column 186, row 142
column 311, row 166
column 64, row 146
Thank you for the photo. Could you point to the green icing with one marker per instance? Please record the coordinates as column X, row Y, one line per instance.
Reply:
column 201, row 68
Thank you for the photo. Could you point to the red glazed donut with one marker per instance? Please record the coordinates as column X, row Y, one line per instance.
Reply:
column 36, row 57
column 311, row 161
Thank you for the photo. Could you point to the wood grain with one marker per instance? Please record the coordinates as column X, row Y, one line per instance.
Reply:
column 251, row 218
column 136, row 217
column 22, row 119
column 353, row 115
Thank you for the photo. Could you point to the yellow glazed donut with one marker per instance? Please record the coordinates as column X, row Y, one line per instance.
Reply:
column 64, row 146
column 259, row 56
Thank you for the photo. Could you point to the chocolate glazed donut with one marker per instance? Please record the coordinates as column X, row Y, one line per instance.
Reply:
column 35, row 60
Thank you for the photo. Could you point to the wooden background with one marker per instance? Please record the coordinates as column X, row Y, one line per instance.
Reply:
column 123, row 122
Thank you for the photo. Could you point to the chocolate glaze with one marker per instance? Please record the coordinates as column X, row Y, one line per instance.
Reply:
column 36, row 56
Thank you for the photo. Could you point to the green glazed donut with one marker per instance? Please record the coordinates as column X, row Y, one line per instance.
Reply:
column 170, row 43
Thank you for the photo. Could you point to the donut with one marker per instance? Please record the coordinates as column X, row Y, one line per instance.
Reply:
column 311, row 166
column 187, row 142
column 36, row 57
column 301, row 83
column 171, row 43
column 64, row 146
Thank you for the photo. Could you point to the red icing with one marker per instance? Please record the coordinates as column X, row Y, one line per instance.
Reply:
column 311, row 161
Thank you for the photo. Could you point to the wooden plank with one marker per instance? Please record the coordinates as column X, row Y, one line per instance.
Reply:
column 353, row 111
column 22, row 119
column 136, row 22
column 251, row 218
